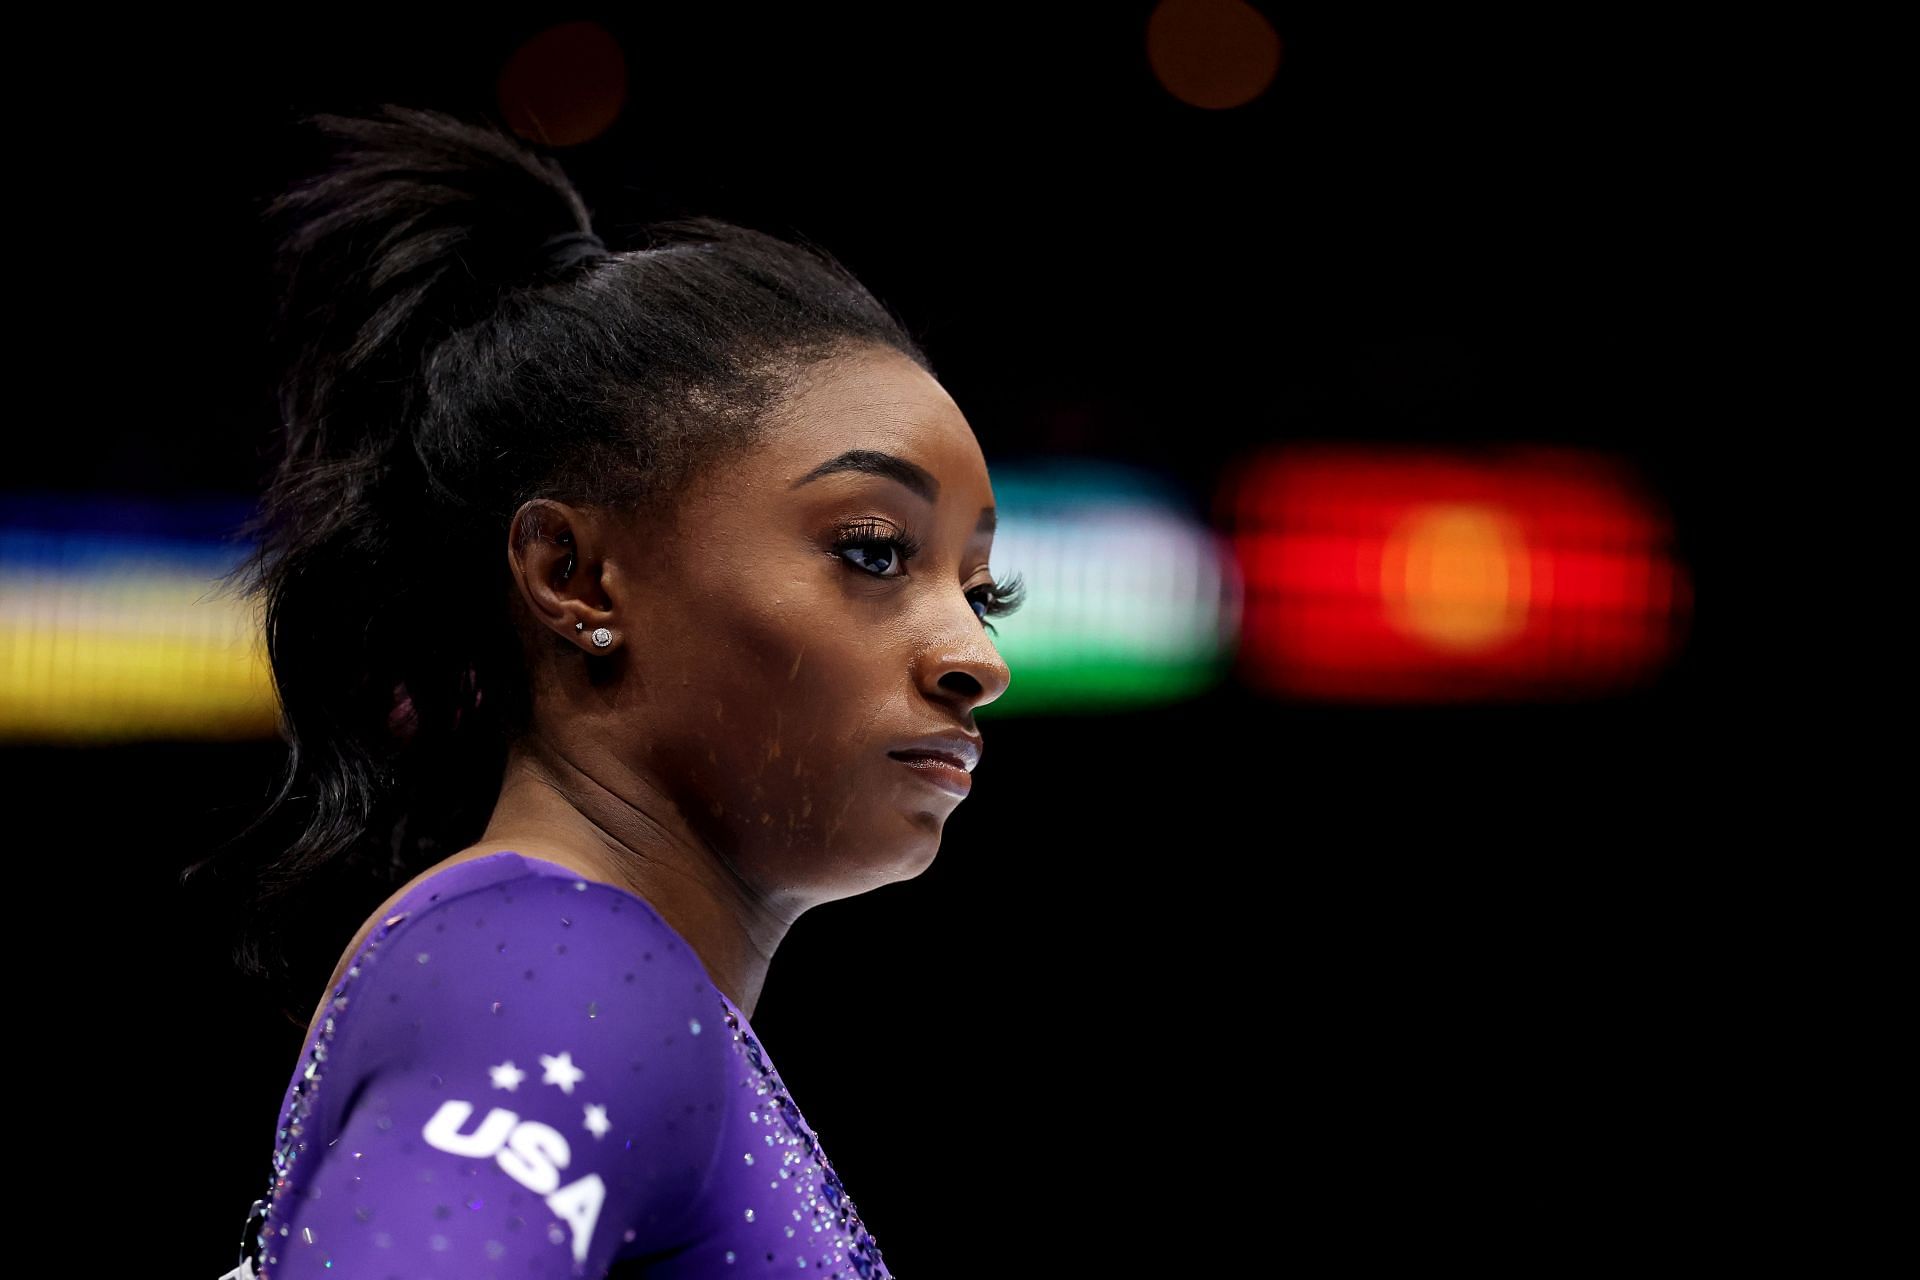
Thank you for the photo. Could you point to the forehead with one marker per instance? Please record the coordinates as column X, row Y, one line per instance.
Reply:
column 882, row 402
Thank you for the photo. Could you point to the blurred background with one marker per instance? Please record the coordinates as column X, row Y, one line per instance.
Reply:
column 1341, row 871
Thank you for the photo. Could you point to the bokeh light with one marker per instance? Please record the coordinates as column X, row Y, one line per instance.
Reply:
column 564, row 86
column 1424, row 575
column 1214, row 54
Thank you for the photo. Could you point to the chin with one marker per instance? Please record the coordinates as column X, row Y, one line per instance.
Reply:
column 921, row 857
column 909, row 864
column 913, row 856
column 927, row 825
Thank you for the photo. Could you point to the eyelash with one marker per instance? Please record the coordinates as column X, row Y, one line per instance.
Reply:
column 1001, row 598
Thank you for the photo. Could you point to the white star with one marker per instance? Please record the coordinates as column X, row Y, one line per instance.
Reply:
column 597, row 1120
column 561, row 1071
column 506, row 1076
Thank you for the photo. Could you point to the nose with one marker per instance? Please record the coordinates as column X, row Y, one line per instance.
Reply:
column 962, row 666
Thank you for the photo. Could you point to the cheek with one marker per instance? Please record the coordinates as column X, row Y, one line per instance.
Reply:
column 781, row 703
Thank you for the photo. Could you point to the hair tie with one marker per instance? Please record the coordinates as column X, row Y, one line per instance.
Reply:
column 569, row 247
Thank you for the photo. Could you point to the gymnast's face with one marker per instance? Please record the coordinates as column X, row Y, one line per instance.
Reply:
column 807, row 612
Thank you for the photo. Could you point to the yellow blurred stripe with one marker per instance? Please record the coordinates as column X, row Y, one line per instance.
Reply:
column 129, row 657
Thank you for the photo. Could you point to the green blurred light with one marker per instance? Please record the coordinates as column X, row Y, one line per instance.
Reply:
column 1131, row 600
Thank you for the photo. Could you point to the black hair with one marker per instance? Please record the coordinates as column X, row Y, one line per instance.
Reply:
column 437, row 366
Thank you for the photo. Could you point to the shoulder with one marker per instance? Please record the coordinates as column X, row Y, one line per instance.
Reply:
column 564, row 1001
column 531, row 1027
column 537, row 953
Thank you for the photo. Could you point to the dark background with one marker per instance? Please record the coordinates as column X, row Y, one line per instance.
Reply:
column 1356, row 986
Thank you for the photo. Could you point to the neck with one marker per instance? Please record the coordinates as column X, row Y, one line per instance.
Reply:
column 631, row 836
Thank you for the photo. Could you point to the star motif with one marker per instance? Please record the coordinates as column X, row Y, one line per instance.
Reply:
column 506, row 1076
column 561, row 1071
column 597, row 1120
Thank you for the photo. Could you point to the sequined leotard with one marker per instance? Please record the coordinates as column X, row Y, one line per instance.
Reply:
column 524, row 1075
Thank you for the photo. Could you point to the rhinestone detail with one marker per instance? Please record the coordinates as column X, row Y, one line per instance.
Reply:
column 289, row 1141
column 830, row 1208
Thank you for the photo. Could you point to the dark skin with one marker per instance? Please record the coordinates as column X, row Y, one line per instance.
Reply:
column 733, row 770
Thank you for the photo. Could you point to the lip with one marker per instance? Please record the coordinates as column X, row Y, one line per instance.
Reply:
column 961, row 750
column 944, row 759
column 942, row 773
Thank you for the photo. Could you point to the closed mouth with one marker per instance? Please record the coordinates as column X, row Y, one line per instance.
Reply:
column 941, row 756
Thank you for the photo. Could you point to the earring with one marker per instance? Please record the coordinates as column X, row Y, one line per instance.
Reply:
column 602, row 637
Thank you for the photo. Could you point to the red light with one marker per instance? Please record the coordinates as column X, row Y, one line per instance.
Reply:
column 1410, row 575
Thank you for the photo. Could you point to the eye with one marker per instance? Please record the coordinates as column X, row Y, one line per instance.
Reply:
column 998, row 599
column 877, row 549
column 894, row 547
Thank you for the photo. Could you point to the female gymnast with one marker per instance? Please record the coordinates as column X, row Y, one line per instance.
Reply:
column 625, row 605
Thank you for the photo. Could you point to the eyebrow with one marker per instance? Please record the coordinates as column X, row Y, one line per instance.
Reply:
column 889, row 466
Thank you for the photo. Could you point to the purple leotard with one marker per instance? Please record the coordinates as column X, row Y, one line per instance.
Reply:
column 527, row 1075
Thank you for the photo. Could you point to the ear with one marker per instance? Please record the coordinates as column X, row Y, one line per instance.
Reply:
column 555, row 554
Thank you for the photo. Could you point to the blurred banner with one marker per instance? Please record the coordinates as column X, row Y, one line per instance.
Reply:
column 1422, row 575
column 1131, row 599
column 113, row 627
